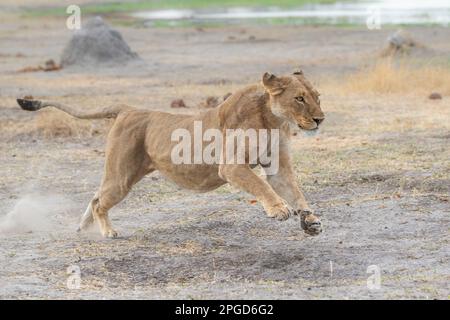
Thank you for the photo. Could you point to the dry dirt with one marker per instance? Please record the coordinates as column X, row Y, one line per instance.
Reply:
column 378, row 173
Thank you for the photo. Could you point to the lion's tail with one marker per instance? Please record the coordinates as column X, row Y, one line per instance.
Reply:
column 109, row 112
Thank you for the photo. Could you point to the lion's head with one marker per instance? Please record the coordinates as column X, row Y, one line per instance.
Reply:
column 293, row 99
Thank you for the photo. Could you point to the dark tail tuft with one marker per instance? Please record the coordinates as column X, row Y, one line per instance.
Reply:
column 29, row 105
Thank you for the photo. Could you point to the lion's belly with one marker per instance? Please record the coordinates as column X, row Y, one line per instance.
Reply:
column 195, row 177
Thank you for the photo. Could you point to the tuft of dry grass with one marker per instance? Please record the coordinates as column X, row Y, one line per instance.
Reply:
column 189, row 247
column 54, row 123
column 390, row 76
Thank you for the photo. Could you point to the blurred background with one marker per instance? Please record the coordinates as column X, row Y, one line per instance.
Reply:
column 201, row 12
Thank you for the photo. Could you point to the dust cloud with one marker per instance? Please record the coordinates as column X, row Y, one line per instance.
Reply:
column 34, row 213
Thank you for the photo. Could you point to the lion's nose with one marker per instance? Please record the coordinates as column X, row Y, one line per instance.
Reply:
column 318, row 121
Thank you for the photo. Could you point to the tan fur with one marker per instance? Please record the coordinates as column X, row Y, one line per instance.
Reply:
column 140, row 142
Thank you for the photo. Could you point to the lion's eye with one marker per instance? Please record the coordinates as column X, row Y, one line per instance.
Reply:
column 300, row 99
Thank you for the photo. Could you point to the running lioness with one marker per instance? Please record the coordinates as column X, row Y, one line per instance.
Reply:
column 140, row 142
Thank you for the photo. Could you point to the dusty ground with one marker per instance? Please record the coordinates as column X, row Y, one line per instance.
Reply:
column 378, row 173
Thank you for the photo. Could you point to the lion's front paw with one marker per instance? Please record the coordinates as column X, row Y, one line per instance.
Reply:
column 310, row 223
column 279, row 211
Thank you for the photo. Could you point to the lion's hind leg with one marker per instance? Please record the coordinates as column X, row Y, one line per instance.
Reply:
column 87, row 218
column 115, row 186
column 126, row 163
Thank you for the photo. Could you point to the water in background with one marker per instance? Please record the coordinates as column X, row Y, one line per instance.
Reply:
column 386, row 11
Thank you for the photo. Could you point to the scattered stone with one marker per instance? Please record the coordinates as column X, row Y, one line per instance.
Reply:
column 219, row 82
column 97, row 44
column 178, row 103
column 30, row 69
column 435, row 96
column 211, row 102
column 400, row 42
column 225, row 97
column 252, row 38
column 10, row 55
column 49, row 65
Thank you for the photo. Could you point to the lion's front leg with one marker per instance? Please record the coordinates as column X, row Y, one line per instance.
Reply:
column 285, row 185
column 241, row 176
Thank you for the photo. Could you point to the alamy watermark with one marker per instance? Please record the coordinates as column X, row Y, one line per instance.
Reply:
column 373, row 21
column 374, row 280
column 233, row 146
column 73, row 22
column 74, row 278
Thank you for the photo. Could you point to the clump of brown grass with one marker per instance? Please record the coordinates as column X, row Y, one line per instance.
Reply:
column 388, row 76
column 54, row 123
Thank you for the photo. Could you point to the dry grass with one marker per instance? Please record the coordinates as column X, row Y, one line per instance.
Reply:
column 403, row 105
column 189, row 247
column 380, row 124
column 50, row 124
column 54, row 123
column 390, row 76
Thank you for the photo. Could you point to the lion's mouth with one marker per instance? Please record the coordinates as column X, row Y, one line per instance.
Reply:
column 308, row 129
column 311, row 126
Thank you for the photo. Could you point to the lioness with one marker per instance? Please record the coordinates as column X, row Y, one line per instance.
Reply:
column 139, row 143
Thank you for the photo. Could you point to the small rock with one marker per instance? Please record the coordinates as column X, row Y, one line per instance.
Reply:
column 211, row 102
column 401, row 39
column 435, row 96
column 50, row 65
column 216, row 81
column 178, row 103
column 400, row 42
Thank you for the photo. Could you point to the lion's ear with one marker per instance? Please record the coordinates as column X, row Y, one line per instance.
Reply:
column 272, row 84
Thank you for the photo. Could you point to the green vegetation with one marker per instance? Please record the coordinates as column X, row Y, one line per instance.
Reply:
column 117, row 7
column 304, row 21
column 259, row 21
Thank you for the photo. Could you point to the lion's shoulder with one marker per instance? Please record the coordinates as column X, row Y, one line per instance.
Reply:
column 242, row 106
